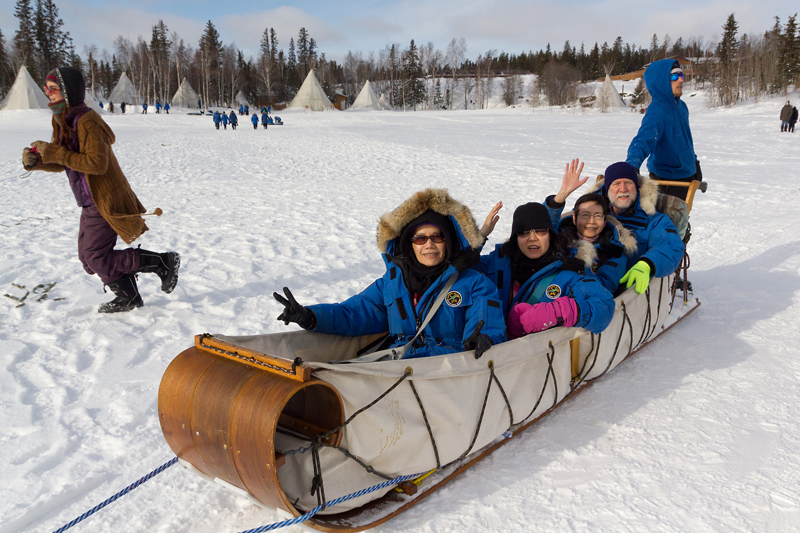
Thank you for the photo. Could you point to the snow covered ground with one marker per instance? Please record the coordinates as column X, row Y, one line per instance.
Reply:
column 698, row 432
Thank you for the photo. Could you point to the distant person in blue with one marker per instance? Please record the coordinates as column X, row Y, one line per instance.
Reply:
column 166, row 107
column 254, row 120
column 122, row 107
column 217, row 119
column 101, row 105
column 247, row 110
column 234, row 120
column 540, row 285
column 224, row 120
column 144, row 108
column 241, row 109
column 429, row 246
column 664, row 138
column 264, row 118
column 158, row 107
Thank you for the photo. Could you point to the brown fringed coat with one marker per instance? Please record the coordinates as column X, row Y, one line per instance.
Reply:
column 110, row 190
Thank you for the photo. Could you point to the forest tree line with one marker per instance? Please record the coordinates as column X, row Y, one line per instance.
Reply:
column 417, row 76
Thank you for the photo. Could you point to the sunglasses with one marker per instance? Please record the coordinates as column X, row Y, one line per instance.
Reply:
column 539, row 232
column 419, row 240
column 48, row 90
column 676, row 76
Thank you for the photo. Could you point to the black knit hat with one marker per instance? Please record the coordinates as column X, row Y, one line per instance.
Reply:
column 621, row 170
column 73, row 87
column 531, row 216
column 429, row 217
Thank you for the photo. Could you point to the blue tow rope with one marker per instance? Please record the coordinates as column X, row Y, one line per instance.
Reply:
column 112, row 499
column 269, row 527
column 317, row 509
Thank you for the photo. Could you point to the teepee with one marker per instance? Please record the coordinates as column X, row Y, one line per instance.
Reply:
column 367, row 99
column 24, row 93
column 240, row 99
column 384, row 104
column 124, row 91
column 185, row 96
column 311, row 95
column 607, row 96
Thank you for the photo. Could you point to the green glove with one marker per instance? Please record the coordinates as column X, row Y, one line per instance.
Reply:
column 638, row 274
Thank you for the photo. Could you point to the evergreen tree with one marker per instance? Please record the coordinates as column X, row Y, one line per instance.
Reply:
column 6, row 72
column 293, row 80
column 790, row 53
column 53, row 44
column 24, row 41
column 414, row 87
column 210, row 54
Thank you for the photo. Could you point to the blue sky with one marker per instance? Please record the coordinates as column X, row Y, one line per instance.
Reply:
column 368, row 25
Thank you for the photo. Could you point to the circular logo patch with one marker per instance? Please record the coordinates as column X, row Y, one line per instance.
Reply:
column 553, row 291
column 453, row 298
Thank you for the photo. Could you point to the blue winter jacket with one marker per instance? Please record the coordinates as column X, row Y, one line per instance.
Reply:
column 595, row 303
column 264, row 118
column 387, row 305
column 664, row 134
column 233, row 118
column 224, row 118
column 657, row 240
column 254, row 119
column 217, row 118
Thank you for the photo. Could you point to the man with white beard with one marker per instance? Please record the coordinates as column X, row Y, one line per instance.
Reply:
column 633, row 203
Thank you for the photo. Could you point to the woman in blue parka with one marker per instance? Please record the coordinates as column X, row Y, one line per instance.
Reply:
column 540, row 284
column 425, row 242
column 234, row 120
column 217, row 119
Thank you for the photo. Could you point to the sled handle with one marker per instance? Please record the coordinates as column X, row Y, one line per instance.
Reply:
column 288, row 369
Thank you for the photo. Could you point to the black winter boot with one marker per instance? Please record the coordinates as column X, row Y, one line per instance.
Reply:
column 128, row 297
column 166, row 265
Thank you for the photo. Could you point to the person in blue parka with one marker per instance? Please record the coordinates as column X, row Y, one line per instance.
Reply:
column 427, row 241
column 540, row 285
column 254, row 120
column 664, row 135
column 241, row 109
column 264, row 118
column 234, row 120
column 633, row 199
column 166, row 107
column 217, row 119
column 158, row 107
column 224, row 118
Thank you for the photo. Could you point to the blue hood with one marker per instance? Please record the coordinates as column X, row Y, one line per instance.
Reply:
column 656, row 77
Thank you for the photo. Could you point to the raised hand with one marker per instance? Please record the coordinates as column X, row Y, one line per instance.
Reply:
column 571, row 180
column 294, row 312
column 491, row 220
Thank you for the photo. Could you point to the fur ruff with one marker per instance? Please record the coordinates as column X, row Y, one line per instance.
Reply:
column 586, row 249
column 390, row 225
column 648, row 192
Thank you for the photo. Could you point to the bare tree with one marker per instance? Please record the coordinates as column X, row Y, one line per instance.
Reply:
column 559, row 82
column 456, row 51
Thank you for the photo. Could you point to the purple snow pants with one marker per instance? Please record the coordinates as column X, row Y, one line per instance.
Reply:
column 96, row 251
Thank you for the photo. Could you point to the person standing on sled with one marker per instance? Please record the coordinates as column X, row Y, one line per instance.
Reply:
column 633, row 198
column 429, row 248
column 81, row 146
column 540, row 285
column 664, row 138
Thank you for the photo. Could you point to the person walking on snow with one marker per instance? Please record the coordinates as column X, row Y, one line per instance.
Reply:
column 144, row 108
column 158, row 107
column 166, row 107
column 664, row 138
column 234, row 120
column 81, row 146
column 793, row 119
column 217, row 119
column 786, row 115
column 264, row 119
column 254, row 120
column 224, row 120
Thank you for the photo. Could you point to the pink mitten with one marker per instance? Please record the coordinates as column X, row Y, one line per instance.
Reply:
column 526, row 318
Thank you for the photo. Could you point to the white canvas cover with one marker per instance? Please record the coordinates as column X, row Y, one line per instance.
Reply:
column 124, row 91
column 311, row 95
column 607, row 96
column 91, row 102
column 185, row 96
column 384, row 104
column 25, row 93
column 367, row 99
column 535, row 372
column 240, row 99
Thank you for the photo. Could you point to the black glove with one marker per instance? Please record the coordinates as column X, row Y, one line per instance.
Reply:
column 295, row 312
column 480, row 342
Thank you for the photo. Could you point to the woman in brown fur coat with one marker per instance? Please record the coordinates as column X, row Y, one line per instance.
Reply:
column 81, row 146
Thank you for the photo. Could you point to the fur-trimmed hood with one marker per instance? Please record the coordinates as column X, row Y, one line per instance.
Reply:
column 647, row 197
column 391, row 225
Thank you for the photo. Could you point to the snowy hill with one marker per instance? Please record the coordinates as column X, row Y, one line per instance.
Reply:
column 698, row 432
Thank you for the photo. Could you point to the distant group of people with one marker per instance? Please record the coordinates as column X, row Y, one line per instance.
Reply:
column 788, row 117
column 223, row 118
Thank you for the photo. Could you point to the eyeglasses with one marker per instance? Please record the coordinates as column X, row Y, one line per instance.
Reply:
column 586, row 217
column 539, row 232
column 420, row 239
column 48, row 90
column 676, row 76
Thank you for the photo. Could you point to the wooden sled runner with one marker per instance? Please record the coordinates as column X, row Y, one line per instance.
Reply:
column 273, row 417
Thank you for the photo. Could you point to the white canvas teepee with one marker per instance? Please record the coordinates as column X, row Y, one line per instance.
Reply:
column 124, row 91
column 607, row 96
column 240, row 99
column 185, row 96
column 384, row 104
column 367, row 99
column 24, row 94
column 311, row 95
column 91, row 102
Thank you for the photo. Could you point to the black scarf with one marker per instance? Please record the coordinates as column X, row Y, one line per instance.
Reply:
column 417, row 276
column 522, row 268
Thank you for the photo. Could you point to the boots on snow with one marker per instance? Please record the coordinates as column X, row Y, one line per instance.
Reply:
column 128, row 297
column 165, row 265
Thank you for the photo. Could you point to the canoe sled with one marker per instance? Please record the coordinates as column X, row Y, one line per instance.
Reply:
column 280, row 419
